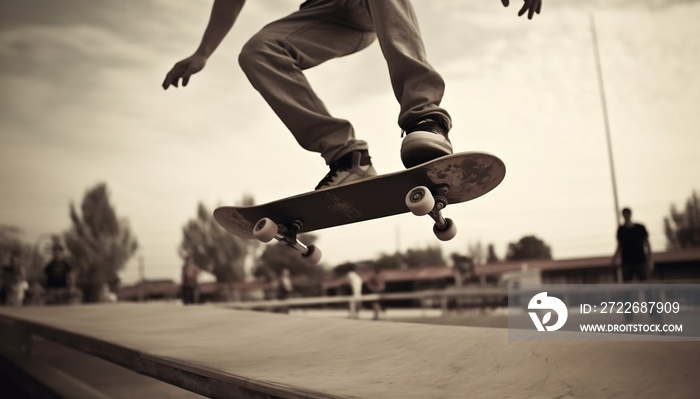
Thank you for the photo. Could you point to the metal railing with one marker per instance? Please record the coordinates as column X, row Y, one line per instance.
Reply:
column 470, row 296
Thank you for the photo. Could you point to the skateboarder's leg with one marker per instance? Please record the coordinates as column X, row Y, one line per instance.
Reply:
column 417, row 86
column 275, row 57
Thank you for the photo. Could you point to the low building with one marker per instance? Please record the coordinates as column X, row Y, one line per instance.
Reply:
column 670, row 267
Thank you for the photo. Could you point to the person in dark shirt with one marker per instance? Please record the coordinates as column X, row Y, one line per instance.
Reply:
column 60, row 279
column 190, row 282
column 633, row 249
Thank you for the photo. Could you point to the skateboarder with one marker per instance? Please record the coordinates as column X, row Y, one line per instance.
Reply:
column 274, row 58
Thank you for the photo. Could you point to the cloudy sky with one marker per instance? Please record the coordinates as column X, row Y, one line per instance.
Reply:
column 81, row 103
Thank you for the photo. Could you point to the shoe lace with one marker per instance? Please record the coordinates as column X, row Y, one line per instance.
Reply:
column 429, row 124
column 330, row 176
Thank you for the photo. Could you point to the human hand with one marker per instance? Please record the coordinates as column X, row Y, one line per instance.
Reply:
column 529, row 6
column 183, row 70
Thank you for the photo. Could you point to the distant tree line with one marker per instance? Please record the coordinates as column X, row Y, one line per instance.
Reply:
column 100, row 243
column 682, row 227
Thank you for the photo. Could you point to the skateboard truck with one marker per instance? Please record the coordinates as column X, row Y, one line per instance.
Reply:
column 422, row 201
column 286, row 233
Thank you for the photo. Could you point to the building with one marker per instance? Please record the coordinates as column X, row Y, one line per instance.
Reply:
column 670, row 267
column 676, row 266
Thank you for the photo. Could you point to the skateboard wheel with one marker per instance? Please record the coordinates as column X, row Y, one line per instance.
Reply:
column 446, row 233
column 265, row 230
column 420, row 201
column 313, row 257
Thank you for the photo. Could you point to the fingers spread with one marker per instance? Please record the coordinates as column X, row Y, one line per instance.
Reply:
column 531, row 7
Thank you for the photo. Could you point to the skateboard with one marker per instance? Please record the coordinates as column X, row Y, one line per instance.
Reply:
column 425, row 189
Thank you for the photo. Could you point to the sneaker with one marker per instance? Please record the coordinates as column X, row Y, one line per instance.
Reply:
column 425, row 140
column 352, row 166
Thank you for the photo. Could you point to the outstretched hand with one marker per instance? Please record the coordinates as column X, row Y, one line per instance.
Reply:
column 529, row 6
column 183, row 70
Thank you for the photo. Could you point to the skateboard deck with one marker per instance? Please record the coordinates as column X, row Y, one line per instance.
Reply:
column 451, row 179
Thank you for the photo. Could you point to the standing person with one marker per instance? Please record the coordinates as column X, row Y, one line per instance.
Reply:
column 274, row 60
column 14, row 282
column 60, row 279
column 356, row 282
column 633, row 249
column 376, row 285
column 285, row 288
column 190, row 282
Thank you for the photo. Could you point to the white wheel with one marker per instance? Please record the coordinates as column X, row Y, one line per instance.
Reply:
column 313, row 257
column 446, row 233
column 265, row 230
column 420, row 201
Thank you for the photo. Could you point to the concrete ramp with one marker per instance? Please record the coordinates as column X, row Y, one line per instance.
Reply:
column 225, row 353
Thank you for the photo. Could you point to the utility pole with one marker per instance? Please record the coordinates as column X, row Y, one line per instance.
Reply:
column 142, row 279
column 604, row 104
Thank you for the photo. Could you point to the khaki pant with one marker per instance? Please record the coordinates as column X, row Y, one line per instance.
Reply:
column 321, row 30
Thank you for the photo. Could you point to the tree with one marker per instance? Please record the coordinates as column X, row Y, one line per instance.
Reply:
column 412, row 259
column 475, row 252
column 430, row 256
column 491, row 257
column 529, row 247
column 213, row 248
column 277, row 257
column 253, row 247
column 463, row 268
column 10, row 241
column 682, row 228
column 98, row 241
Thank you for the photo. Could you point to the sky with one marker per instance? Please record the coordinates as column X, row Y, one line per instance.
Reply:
column 81, row 104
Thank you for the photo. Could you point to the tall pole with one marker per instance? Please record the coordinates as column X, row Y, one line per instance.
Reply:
column 604, row 104
column 142, row 280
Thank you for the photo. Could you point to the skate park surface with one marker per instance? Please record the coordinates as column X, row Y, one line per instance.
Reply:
column 218, row 352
